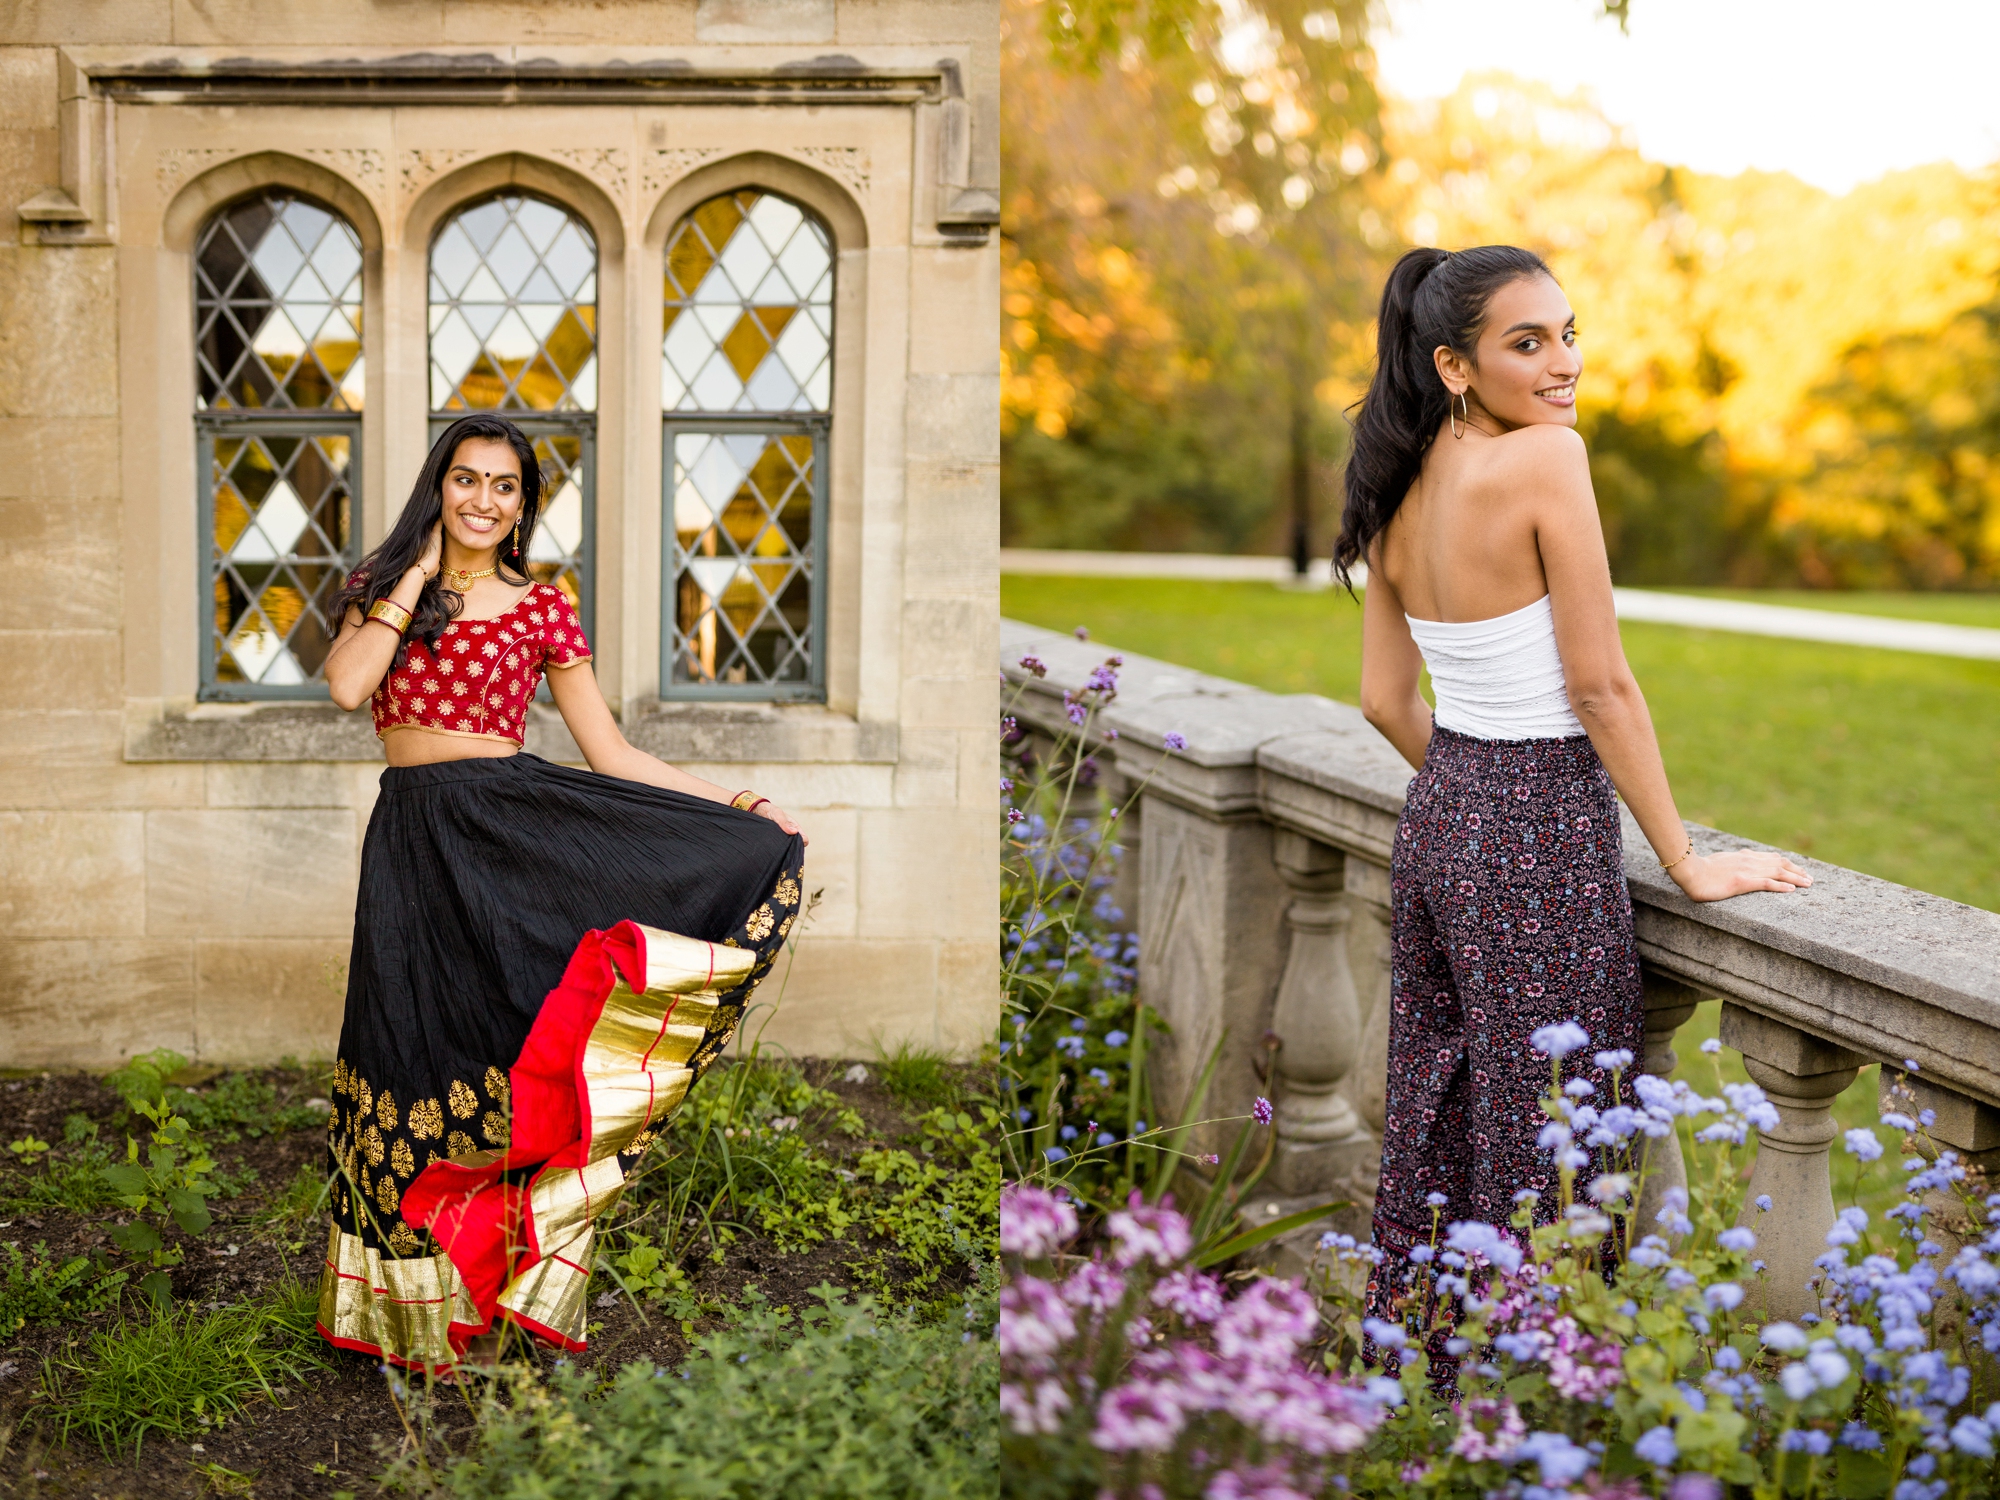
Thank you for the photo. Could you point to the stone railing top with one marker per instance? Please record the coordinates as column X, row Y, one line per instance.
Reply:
column 1873, row 967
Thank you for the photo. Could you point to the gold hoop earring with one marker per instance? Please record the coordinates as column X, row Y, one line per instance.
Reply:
column 1461, row 415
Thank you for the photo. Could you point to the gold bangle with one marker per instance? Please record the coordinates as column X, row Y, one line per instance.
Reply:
column 1669, row 864
column 390, row 613
column 752, row 805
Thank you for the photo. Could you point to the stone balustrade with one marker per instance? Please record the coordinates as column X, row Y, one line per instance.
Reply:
column 1256, row 868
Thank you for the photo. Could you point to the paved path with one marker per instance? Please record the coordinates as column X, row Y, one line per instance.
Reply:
column 1738, row 616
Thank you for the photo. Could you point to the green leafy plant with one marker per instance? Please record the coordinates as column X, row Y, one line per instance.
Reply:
column 241, row 1104
column 841, row 1401
column 170, row 1183
column 36, row 1289
column 181, row 1372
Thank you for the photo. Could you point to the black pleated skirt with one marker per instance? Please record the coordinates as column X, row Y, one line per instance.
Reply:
column 479, row 879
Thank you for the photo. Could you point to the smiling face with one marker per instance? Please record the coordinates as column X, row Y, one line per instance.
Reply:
column 482, row 494
column 1527, row 363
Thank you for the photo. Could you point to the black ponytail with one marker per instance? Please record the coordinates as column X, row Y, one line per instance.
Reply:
column 381, row 570
column 1433, row 298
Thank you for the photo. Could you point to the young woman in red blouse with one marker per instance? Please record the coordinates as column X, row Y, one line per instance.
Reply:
column 544, row 959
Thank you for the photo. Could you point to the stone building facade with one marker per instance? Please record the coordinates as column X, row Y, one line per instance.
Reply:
column 730, row 261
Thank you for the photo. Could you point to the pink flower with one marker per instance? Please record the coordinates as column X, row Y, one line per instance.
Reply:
column 1034, row 1223
column 1193, row 1295
column 1038, row 1409
column 1137, row 1418
column 1261, row 1111
column 1489, row 1427
column 1156, row 1234
column 1034, row 1324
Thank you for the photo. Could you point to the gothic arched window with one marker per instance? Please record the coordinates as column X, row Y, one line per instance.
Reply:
column 513, row 329
column 746, row 372
column 279, row 384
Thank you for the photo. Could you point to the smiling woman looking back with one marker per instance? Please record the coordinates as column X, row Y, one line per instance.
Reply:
column 1468, row 494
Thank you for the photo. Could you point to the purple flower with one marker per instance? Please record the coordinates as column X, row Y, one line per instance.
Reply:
column 1740, row 1240
column 1034, row 1223
column 1436, row 1200
column 1076, row 713
column 1695, row 1487
column 1015, row 815
column 1193, row 1295
column 1475, row 1238
column 1033, row 663
column 1006, row 785
column 1094, row 1288
column 1267, row 1323
column 1156, row 1234
column 1561, row 1461
column 1034, row 1324
column 1137, row 1418
column 1861, row 1142
column 1261, row 1110
column 1101, row 680
column 1173, row 741
column 1081, row 632
column 1036, row 1410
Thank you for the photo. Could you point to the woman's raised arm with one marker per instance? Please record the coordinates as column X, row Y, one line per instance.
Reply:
column 609, row 753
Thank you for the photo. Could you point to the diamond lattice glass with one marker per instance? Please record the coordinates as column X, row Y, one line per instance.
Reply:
column 283, row 508
column 742, row 512
column 555, row 552
column 277, row 291
column 513, row 310
column 749, row 308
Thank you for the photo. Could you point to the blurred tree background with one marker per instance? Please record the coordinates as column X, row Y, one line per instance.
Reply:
column 1202, row 198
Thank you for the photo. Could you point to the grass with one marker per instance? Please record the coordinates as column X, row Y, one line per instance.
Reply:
column 1883, row 761
column 180, row 1373
column 918, row 1077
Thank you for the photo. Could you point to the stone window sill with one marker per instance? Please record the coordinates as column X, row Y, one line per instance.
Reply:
column 183, row 730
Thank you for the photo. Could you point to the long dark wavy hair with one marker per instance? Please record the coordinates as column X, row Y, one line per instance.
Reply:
column 382, row 569
column 1433, row 298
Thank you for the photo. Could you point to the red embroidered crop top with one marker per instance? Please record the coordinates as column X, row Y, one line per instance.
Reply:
column 484, row 672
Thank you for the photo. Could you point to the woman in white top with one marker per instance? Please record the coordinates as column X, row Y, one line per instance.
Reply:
column 1468, row 494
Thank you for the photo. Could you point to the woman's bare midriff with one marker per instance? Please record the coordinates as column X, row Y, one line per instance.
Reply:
column 413, row 745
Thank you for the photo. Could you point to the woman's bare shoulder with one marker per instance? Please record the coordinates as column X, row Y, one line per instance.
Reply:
column 1540, row 462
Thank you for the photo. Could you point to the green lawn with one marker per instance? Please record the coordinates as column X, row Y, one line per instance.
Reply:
column 1883, row 761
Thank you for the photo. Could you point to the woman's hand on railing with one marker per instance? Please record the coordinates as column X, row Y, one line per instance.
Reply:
column 1717, row 877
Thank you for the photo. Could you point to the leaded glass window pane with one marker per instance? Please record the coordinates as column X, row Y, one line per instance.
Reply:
column 556, row 550
column 281, row 509
column 749, row 308
column 278, row 308
column 513, row 310
column 743, row 510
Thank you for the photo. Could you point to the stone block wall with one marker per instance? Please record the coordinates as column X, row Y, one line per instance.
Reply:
column 177, row 873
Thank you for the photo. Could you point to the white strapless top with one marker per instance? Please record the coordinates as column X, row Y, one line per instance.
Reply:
column 1499, row 679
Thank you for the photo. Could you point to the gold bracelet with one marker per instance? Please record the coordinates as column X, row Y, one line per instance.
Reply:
column 1669, row 864
column 392, row 614
column 740, row 805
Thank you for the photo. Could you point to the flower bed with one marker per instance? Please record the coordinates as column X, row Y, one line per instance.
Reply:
column 1574, row 1351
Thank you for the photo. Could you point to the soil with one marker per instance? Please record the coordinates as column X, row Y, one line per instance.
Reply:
column 341, row 1430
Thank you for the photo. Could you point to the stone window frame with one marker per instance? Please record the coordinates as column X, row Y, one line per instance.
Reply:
column 840, row 440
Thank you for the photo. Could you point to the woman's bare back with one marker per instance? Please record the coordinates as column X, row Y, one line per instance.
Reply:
column 1462, row 545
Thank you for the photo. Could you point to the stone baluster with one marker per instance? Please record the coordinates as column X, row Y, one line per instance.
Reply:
column 1801, row 1075
column 1366, row 1084
column 1321, row 1137
column 1669, row 1003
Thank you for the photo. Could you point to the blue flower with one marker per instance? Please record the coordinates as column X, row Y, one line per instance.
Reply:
column 1116, row 1038
column 1658, row 1447
column 1068, row 1132
column 1861, row 1142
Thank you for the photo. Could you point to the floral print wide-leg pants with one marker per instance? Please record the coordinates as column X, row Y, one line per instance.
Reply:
column 1510, row 912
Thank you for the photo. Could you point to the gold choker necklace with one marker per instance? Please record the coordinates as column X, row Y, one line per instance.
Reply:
column 460, row 580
